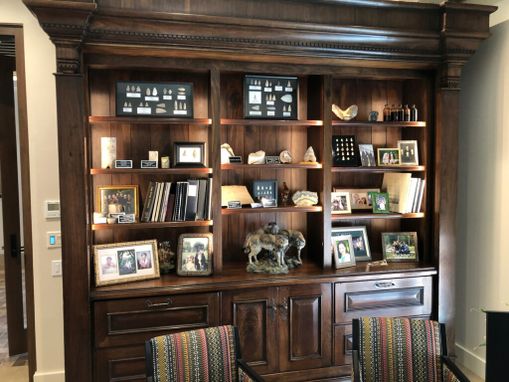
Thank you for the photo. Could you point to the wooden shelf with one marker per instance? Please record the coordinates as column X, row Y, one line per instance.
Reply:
column 151, row 171
column 378, row 124
column 105, row 119
column 369, row 215
column 379, row 169
column 270, row 122
column 240, row 166
column 121, row 227
column 238, row 211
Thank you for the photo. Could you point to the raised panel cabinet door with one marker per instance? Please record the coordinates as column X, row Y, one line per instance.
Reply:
column 253, row 312
column 125, row 363
column 304, row 326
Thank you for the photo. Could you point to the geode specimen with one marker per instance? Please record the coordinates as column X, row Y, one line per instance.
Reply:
column 285, row 157
column 256, row 158
column 345, row 115
column 309, row 156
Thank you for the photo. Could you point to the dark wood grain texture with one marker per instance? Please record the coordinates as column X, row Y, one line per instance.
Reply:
column 343, row 52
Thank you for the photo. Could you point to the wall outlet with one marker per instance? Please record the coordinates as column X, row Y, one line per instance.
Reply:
column 54, row 239
column 56, row 268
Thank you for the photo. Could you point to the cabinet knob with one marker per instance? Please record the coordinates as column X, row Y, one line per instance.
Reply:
column 385, row 284
column 157, row 305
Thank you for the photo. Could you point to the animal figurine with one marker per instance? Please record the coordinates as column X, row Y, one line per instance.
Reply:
column 296, row 240
column 259, row 240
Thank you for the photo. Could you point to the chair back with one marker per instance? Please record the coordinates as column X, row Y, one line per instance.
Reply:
column 198, row 355
column 397, row 350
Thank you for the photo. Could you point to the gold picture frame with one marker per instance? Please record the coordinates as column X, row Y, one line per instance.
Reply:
column 126, row 262
column 190, row 246
column 127, row 198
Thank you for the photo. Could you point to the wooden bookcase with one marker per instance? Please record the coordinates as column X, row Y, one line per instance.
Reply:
column 295, row 326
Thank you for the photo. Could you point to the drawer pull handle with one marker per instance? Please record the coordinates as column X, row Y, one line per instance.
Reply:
column 156, row 305
column 385, row 284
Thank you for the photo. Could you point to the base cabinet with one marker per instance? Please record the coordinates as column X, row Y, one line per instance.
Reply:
column 282, row 328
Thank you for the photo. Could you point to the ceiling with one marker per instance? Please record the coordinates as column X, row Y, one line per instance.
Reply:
column 7, row 46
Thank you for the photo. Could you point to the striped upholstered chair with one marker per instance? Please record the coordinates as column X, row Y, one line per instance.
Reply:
column 401, row 350
column 201, row 355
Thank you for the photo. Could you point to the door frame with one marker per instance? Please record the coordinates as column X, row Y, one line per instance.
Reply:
column 16, row 30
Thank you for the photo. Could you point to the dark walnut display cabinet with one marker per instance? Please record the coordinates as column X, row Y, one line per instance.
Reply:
column 293, row 327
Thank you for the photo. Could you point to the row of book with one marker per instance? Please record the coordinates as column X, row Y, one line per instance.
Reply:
column 405, row 193
column 178, row 201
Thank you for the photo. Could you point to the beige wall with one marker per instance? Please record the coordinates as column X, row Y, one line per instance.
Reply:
column 42, row 125
column 483, row 264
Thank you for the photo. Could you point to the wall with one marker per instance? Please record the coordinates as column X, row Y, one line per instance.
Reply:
column 482, row 278
column 42, row 125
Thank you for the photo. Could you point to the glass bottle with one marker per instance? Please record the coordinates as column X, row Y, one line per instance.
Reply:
column 394, row 113
column 401, row 113
column 414, row 114
column 387, row 113
column 407, row 114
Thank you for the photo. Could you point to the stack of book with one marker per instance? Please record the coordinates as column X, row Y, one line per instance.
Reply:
column 178, row 201
column 405, row 193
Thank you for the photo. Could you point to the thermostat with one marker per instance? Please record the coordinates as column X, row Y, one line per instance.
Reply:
column 52, row 209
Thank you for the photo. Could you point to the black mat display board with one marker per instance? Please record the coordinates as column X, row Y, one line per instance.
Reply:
column 151, row 99
column 270, row 97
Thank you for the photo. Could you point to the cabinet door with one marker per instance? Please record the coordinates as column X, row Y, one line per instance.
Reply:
column 304, row 326
column 253, row 312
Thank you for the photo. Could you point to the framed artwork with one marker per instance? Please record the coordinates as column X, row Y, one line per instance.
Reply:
column 367, row 155
column 343, row 251
column 344, row 150
column 360, row 242
column 194, row 254
column 124, row 262
column 380, row 202
column 189, row 154
column 360, row 198
column 400, row 246
column 389, row 157
column 409, row 153
column 340, row 203
column 115, row 200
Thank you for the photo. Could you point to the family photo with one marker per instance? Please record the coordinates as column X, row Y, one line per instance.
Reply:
column 194, row 254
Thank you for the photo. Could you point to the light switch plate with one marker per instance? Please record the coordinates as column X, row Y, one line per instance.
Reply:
column 54, row 239
column 56, row 268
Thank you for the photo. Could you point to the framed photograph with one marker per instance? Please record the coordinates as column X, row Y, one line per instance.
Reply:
column 117, row 200
column 124, row 262
column 367, row 155
column 380, row 202
column 409, row 153
column 360, row 242
column 400, row 246
column 343, row 251
column 340, row 203
column 389, row 157
column 189, row 154
column 194, row 256
column 360, row 198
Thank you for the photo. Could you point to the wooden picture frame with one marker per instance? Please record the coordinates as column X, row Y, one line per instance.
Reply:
column 189, row 154
column 125, row 262
column 342, row 249
column 409, row 152
column 190, row 246
column 117, row 199
column 360, row 241
column 400, row 246
column 360, row 198
column 340, row 203
column 389, row 156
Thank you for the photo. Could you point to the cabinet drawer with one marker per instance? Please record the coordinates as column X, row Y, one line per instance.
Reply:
column 120, row 364
column 133, row 321
column 387, row 297
column 343, row 345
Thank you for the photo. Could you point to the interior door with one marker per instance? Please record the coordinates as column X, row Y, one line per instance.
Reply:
column 253, row 312
column 13, row 250
column 304, row 326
